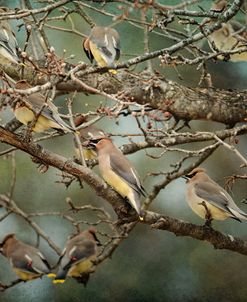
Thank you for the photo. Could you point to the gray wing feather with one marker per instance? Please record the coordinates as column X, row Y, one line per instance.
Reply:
column 214, row 194
column 8, row 41
column 109, row 46
column 38, row 264
column 49, row 110
column 82, row 251
column 127, row 173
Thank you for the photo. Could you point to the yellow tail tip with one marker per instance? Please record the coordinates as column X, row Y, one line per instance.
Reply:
column 112, row 71
column 57, row 281
column 141, row 218
column 51, row 275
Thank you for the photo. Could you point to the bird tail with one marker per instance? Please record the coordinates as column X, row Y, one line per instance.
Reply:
column 112, row 71
column 60, row 277
column 134, row 200
column 238, row 215
column 51, row 275
column 242, row 216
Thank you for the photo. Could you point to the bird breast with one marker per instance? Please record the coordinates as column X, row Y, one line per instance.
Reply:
column 196, row 205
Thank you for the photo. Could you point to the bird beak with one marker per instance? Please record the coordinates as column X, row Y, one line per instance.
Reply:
column 89, row 144
column 186, row 177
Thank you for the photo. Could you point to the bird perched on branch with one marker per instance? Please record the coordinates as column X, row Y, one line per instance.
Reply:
column 27, row 261
column 209, row 200
column 78, row 256
column 9, row 49
column 232, row 35
column 36, row 106
column 103, row 46
column 85, row 134
column 118, row 172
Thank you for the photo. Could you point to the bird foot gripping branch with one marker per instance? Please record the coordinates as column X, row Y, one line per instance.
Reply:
column 118, row 172
column 209, row 200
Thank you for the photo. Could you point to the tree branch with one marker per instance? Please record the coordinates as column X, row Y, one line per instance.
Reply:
column 181, row 228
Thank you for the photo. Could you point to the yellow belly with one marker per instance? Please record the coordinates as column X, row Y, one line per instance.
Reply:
column 25, row 116
column 117, row 183
column 216, row 213
column 25, row 276
column 98, row 57
column 81, row 267
column 122, row 187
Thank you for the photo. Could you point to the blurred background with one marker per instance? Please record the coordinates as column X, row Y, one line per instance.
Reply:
column 150, row 265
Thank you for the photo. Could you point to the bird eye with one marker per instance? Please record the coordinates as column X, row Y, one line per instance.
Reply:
column 94, row 140
column 191, row 175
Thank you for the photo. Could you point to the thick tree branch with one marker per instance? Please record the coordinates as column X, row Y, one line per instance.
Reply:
column 183, row 102
column 181, row 228
column 172, row 139
column 63, row 164
column 217, row 239
column 228, row 107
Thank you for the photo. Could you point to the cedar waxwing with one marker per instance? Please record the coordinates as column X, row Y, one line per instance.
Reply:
column 230, row 36
column 9, row 49
column 209, row 200
column 27, row 261
column 34, row 104
column 90, row 132
column 78, row 256
column 103, row 45
column 118, row 172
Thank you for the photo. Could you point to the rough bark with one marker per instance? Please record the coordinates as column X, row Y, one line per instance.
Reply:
column 181, row 228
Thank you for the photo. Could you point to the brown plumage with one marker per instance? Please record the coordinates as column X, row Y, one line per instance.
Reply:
column 27, row 261
column 35, row 104
column 209, row 200
column 118, row 172
column 78, row 256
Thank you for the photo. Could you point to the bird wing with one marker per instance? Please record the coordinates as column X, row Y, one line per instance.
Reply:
column 214, row 194
column 116, row 42
column 37, row 102
column 79, row 252
column 126, row 172
column 105, row 45
column 51, row 112
column 43, row 259
column 105, row 51
column 31, row 261
column 8, row 41
column 117, row 54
